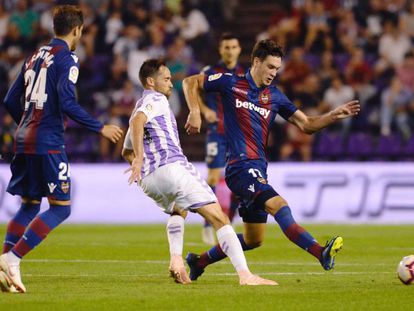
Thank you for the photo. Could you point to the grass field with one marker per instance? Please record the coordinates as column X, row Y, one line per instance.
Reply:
column 125, row 268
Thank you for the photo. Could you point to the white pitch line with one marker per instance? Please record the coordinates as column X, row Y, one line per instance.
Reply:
column 159, row 262
column 85, row 275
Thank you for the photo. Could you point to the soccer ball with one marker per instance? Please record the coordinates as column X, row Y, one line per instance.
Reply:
column 405, row 270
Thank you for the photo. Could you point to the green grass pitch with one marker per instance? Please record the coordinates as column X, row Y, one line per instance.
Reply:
column 91, row 267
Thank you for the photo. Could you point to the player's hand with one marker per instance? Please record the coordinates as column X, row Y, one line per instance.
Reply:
column 135, row 170
column 193, row 124
column 210, row 115
column 112, row 132
column 347, row 110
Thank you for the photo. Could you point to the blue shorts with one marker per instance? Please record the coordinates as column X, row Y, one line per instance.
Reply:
column 40, row 175
column 216, row 146
column 248, row 180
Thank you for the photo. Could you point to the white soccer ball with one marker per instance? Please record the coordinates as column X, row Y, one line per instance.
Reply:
column 405, row 270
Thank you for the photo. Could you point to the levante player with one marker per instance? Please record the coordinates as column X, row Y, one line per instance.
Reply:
column 40, row 166
column 250, row 106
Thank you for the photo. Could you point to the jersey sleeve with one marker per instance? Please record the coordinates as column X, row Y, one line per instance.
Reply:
column 217, row 82
column 286, row 107
column 127, row 141
column 153, row 106
column 12, row 101
column 67, row 78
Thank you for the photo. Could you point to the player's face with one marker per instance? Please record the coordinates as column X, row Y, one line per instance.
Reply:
column 267, row 69
column 229, row 50
column 162, row 81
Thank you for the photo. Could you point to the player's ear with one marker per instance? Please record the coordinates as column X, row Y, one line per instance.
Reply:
column 150, row 81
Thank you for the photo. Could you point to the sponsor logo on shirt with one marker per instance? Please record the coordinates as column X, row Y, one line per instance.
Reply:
column 248, row 105
column 52, row 187
column 65, row 187
column 214, row 77
column 240, row 91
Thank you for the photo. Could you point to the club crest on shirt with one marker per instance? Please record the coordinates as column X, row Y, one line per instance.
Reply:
column 73, row 74
column 262, row 180
column 65, row 187
column 148, row 107
column 265, row 98
column 214, row 77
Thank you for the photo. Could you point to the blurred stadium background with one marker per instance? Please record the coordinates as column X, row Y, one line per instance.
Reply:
column 337, row 50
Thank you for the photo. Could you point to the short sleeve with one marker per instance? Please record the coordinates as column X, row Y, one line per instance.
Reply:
column 286, row 107
column 217, row 82
column 153, row 106
column 127, row 141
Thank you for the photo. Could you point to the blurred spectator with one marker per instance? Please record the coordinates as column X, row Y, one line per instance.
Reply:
column 395, row 101
column 335, row 96
column 4, row 21
column 295, row 70
column 317, row 26
column 298, row 145
column 120, row 112
column 128, row 42
column 113, row 27
column 357, row 70
column 25, row 19
column 407, row 20
column 156, row 49
column 309, row 96
column 405, row 72
column 327, row 70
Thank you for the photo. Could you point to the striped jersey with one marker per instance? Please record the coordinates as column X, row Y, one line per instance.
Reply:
column 213, row 99
column 249, row 113
column 161, row 140
column 46, row 83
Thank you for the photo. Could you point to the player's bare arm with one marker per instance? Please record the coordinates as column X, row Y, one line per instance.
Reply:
column 112, row 132
column 209, row 114
column 192, row 87
column 137, row 138
column 310, row 124
column 128, row 155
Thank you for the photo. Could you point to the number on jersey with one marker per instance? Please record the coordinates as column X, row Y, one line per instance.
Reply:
column 35, row 88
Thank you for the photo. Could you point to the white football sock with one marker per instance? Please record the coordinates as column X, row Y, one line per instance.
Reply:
column 230, row 245
column 175, row 233
column 13, row 259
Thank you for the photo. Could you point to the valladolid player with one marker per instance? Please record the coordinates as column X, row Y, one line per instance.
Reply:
column 165, row 175
column 250, row 106
column 40, row 166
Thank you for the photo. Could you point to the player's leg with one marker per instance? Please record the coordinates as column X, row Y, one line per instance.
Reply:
column 253, row 236
column 234, row 204
column 279, row 209
column 16, row 227
column 175, row 235
column 230, row 244
column 213, row 178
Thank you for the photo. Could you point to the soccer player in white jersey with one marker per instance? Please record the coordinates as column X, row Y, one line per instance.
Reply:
column 159, row 166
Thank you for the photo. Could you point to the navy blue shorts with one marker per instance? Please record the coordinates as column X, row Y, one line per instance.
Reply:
column 216, row 146
column 40, row 175
column 248, row 180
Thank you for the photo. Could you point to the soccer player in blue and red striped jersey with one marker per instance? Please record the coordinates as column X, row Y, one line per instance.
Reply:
column 40, row 166
column 216, row 146
column 250, row 107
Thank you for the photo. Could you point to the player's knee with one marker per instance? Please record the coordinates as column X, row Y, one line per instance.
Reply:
column 273, row 205
column 61, row 211
column 254, row 243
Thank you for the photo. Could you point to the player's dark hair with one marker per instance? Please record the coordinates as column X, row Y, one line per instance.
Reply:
column 228, row 36
column 65, row 18
column 149, row 68
column 264, row 48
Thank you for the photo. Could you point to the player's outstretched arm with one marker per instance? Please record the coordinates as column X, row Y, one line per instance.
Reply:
column 310, row 125
column 192, row 87
column 112, row 132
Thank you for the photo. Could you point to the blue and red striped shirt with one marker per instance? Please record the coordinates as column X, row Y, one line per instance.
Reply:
column 213, row 99
column 46, row 83
column 249, row 112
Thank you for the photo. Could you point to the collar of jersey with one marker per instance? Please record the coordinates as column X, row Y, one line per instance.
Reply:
column 222, row 65
column 251, row 81
column 56, row 41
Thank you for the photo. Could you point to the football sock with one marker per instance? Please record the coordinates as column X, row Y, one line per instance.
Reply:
column 231, row 246
column 17, row 225
column 216, row 253
column 40, row 227
column 296, row 233
column 175, row 234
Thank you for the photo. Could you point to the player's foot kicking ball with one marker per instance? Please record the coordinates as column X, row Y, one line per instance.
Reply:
column 11, row 274
column 177, row 270
column 329, row 252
